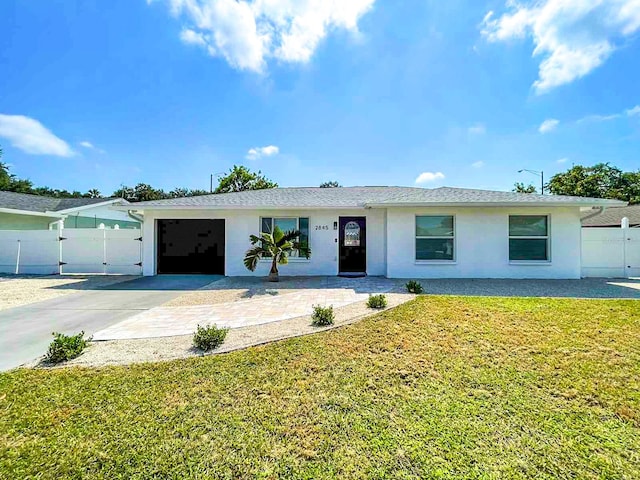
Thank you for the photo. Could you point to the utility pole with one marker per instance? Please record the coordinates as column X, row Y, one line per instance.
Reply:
column 536, row 172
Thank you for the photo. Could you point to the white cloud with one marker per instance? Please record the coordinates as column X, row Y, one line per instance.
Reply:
column 632, row 112
column 30, row 136
column 572, row 37
column 87, row 144
column 548, row 125
column 478, row 164
column 427, row 177
column 477, row 129
column 563, row 160
column 246, row 33
column 259, row 152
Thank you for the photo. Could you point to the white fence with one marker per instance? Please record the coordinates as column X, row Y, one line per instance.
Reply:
column 78, row 250
column 611, row 252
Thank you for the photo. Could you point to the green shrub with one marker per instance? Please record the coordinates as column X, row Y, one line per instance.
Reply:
column 209, row 337
column 377, row 301
column 322, row 316
column 65, row 347
column 414, row 287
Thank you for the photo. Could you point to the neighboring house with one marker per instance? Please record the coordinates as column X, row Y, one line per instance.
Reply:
column 612, row 217
column 21, row 211
column 399, row 232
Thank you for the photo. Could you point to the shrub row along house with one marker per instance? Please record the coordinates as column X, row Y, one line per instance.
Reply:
column 398, row 232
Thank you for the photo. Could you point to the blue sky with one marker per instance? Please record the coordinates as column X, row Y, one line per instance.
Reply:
column 366, row 92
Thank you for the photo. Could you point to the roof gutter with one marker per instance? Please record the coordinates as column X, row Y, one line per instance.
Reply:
column 34, row 214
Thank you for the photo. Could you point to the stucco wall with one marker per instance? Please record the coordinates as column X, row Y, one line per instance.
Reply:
column 240, row 224
column 482, row 244
column 10, row 221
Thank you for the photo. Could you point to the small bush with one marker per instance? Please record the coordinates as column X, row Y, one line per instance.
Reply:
column 209, row 337
column 377, row 301
column 322, row 316
column 414, row 287
column 65, row 347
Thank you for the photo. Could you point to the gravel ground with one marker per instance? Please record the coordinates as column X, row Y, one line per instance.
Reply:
column 23, row 289
column 123, row 352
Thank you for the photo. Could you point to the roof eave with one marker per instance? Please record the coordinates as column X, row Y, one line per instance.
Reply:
column 604, row 203
column 15, row 211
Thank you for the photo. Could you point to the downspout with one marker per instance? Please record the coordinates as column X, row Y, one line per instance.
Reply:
column 135, row 216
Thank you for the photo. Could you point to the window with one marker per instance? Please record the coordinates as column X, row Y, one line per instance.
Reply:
column 352, row 234
column 434, row 237
column 287, row 224
column 529, row 238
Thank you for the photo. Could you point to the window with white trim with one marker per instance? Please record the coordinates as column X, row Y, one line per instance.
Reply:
column 529, row 238
column 435, row 237
column 286, row 224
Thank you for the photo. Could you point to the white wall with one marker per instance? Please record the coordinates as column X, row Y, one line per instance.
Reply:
column 482, row 244
column 242, row 223
column 611, row 252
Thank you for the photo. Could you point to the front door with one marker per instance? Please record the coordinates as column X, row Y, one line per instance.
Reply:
column 353, row 246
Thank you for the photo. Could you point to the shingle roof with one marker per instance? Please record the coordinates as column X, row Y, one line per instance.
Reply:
column 345, row 197
column 37, row 203
column 612, row 217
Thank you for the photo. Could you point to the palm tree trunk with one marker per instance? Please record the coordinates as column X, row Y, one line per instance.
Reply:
column 274, row 276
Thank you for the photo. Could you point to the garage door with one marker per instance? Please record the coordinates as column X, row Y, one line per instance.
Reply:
column 191, row 246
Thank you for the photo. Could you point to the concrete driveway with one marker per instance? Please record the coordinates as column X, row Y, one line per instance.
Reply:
column 25, row 332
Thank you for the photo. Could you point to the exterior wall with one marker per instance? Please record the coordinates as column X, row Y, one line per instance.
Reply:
column 482, row 244
column 239, row 224
column 10, row 221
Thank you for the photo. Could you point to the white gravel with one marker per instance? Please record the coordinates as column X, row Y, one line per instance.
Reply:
column 23, row 290
column 123, row 352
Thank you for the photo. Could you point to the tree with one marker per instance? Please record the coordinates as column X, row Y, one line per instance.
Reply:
column 520, row 187
column 277, row 246
column 94, row 193
column 240, row 178
column 331, row 184
column 600, row 181
column 186, row 192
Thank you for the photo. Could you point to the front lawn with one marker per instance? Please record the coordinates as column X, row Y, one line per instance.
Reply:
column 440, row 387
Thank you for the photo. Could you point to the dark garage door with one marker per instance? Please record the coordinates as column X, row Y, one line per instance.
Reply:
column 191, row 246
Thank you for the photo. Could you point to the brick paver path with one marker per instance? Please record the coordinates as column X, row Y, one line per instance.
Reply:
column 170, row 321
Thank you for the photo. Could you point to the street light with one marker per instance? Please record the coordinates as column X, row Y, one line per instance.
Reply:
column 535, row 172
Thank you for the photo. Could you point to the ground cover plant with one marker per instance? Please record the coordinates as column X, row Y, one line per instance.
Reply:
column 322, row 316
column 209, row 337
column 65, row 347
column 377, row 301
column 440, row 387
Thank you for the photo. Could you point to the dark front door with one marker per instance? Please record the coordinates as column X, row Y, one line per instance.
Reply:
column 191, row 246
column 353, row 245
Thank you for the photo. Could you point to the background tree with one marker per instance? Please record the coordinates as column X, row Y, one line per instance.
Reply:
column 520, row 187
column 331, row 184
column 94, row 193
column 240, row 178
column 600, row 181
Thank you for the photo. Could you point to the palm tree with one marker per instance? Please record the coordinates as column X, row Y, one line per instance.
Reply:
column 277, row 246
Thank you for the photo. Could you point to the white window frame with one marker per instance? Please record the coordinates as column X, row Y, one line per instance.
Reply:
column 417, row 237
column 547, row 237
column 288, row 217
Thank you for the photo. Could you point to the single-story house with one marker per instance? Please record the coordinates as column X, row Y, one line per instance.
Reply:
column 397, row 232
column 21, row 211
column 612, row 217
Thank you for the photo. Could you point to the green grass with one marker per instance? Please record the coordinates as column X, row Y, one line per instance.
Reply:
column 441, row 387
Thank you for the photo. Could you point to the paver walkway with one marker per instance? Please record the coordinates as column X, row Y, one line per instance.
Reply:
column 183, row 320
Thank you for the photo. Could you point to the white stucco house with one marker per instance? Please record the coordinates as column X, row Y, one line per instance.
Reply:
column 397, row 232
